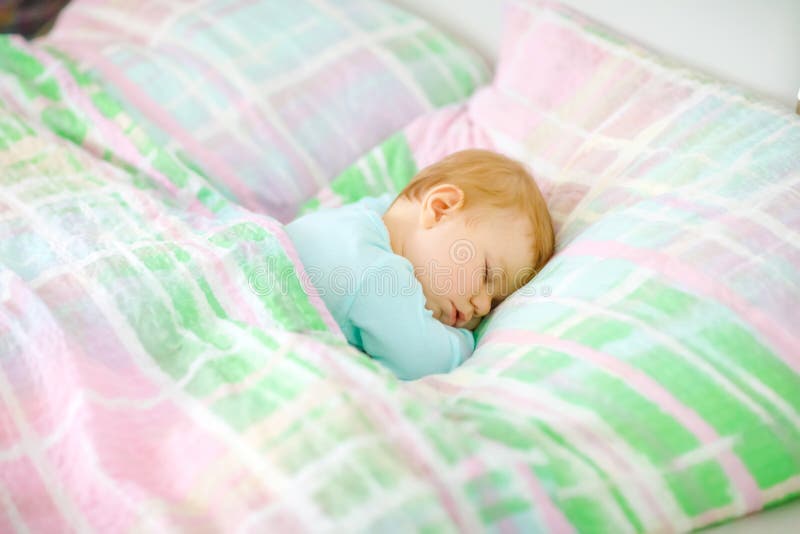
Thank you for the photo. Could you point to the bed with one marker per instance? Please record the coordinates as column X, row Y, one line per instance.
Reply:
column 165, row 364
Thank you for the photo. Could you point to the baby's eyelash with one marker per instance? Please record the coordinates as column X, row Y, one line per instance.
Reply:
column 486, row 271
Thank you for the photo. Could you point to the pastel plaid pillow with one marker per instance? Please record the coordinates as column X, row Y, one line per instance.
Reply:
column 271, row 99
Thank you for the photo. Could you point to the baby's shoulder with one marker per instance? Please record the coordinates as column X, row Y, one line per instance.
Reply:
column 349, row 237
column 342, row 225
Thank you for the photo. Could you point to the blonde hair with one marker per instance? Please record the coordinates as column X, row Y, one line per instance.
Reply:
column 491, row 179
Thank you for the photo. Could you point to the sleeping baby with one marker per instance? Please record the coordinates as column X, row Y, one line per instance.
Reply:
column 408, row 279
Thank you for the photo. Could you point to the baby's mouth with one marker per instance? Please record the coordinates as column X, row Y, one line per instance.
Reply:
column 459, row 319
column 452, row 317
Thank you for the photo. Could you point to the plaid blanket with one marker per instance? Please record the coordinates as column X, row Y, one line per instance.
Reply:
column 165, row 366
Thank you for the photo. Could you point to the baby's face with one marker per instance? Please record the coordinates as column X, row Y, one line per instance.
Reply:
column 467, row 267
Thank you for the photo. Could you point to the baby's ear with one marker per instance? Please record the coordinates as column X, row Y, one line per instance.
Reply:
column 440, row 201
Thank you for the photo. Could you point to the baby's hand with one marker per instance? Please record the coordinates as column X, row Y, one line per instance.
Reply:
column 473, row 323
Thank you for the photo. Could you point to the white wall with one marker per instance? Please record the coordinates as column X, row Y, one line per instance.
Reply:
column 754, row 43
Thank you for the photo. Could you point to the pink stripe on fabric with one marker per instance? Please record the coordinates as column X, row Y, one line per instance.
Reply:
column 516, row 21
column 532, row 405
column 362, row 383
column 102, row 128
column 334, row 95
column 9, row 434
column 5, row 523
column 648, row 388
column 214, row 77
column 104, row 32
column 434, row 136
column 108, row 133
column 492, row 109
column 243, row 310
column 552, row 516
column 235, row 6
column 688, row 205
column 126, row 440
column 785, row 344
column 77, row 464
column 47, row 388
column 297, row 182
column 536, row 82
column 40, row 514
column 758, row 238
column 117, row 447
column 140, row 100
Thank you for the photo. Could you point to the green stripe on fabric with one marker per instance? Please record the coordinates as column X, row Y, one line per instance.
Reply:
column 506, row 432
column 353, row 184
column 380, row 462
column 390, row 175
column 65, row 123
column 15, row 61
column 171, row 168
column 743, row 349
column 271, row 276
column 108, row 106
column 399, row 160
column 211, row 298
column 183, row 315
column 496, row 495
column 728, row 416
column 378, row 178
column 415, row 51
column 563, row 471
column 242, row 409
column 503, row 509
column 495, row 492
column 350, row 185
column 637, row 425
column 459, row 70
column 722, row 339
column 560, row 473
column 13, row 130
column 28, row 70
column 292, row 459
column 603, row 394
column 537, row 364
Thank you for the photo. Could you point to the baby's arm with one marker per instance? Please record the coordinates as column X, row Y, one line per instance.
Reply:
column 398, row 331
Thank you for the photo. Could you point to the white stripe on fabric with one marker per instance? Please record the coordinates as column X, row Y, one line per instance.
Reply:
column 674, row 344
column 395, row 67
column 12, row 512
column 32, row 445
column 674, row 72
column 632, row 471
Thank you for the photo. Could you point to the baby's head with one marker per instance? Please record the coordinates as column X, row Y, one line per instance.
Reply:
column 476, row 228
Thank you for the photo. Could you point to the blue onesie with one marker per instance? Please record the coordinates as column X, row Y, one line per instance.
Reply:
column 372, row 292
